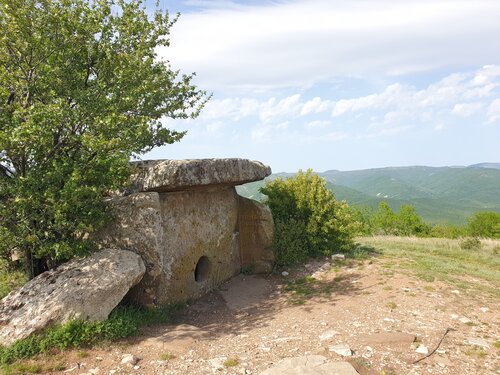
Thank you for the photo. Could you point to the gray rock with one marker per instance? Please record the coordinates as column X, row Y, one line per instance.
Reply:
column 327, row 335
column 129, row 359
column 338, row 257
column 341, row 349
column 422, row 349
column 310, row 365
column 87, row 288
column 478, row 341
column 173, row 175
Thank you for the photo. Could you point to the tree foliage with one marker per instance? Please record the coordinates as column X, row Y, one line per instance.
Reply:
column 309, row 221
column 81, row 91
column 484, row 224
column 404, row 223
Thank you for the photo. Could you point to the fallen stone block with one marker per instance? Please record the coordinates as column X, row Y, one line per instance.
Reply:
column 85, row 288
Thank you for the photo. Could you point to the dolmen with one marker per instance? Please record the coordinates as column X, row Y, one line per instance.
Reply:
column 178, row 231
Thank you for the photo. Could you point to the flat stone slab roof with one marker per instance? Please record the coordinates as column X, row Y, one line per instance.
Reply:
column 174, row 175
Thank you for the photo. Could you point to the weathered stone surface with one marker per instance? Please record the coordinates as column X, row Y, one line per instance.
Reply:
column 86, row 288
column 310, row 365
column 255, row 223
column 137, row 226
column 191, row 228
column 200, row 245
column 341, row 349
column 172, row 175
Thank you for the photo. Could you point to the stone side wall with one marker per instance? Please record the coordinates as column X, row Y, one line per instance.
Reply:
column 137, row 227
column 255, row 225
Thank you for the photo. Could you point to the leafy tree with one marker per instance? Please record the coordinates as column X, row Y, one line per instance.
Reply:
column 484, row 224
column 82, row 90
column 309, row 221
column 385, row 220
column 409, row 223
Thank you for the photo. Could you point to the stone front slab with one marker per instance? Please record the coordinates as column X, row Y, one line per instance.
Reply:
column 88, row 289
column 172, row 175
column 200, row 245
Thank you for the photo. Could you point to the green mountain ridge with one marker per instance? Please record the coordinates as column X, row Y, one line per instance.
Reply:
column 439, row 194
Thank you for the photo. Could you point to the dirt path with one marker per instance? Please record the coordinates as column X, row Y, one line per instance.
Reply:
column 382, row 316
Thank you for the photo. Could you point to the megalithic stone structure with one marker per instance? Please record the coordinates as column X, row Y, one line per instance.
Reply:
column 190, row 227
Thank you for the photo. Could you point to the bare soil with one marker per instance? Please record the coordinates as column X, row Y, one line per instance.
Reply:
column 253, row 322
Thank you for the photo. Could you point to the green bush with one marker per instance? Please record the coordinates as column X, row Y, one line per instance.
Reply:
column 470, row 243
column 309, row 221
column 484, row 224
column 290, row 244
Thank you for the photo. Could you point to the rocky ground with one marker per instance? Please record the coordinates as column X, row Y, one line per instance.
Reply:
column 378, row 318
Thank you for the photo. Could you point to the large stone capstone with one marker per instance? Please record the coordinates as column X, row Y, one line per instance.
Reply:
column 171, row 175
column 191, row 227
column 88, row 288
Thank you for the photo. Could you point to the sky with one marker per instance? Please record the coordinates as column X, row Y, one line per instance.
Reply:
column 339, row 84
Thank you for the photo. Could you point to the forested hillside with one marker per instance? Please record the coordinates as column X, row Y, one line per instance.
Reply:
column 440, row 195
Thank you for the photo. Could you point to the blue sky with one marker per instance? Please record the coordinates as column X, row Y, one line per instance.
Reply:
column 336, row 84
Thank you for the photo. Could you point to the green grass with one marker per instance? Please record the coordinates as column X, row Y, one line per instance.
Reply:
column 391, row 305
column 443, row 259
column 231, row 362
column 167, row 356
column 9, row 279
column 124, row 321
column 32, row 368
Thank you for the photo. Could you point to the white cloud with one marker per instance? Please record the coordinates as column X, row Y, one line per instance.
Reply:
column 315, row 105
column 494, row 111
column 466, row 109
column 289, row 106
column 317, row 124
column 462, row 94
column 214, row 127
column 301, row 42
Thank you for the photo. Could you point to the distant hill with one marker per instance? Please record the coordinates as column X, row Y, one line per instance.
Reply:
column 442, row 194
column 486, row 165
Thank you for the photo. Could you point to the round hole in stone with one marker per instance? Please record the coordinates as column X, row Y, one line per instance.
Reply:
column 202, row 270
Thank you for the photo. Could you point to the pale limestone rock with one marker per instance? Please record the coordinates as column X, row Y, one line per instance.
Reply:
column 478, row 341
column 310, row 365
column 87, row 288
column 172, row 175
column 341, row 349
column 422, row 349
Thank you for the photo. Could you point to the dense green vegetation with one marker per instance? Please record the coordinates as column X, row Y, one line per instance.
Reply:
column 123, row 321
column 309, row 221
column 81, row 92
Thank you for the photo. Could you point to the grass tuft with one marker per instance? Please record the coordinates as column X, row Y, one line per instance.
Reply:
column 167, row 356
column 231, row 362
